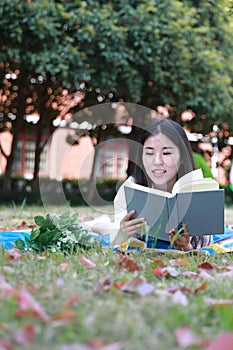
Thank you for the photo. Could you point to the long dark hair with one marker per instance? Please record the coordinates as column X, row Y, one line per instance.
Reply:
column 177, row 135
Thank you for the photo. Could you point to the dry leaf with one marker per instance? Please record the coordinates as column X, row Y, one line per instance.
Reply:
column 207, row 266
column 65, row 315
column 27, row 303
column 138, row 285
column 186, row 337
column 128, row 264
column 87, row 262
column 179, row 298
column 63, row 266
column 5, row 344
column 72, row 300
column 25, row 336
column 223, row 341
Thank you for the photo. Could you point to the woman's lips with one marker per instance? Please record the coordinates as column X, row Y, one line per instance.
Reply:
column 158, row 172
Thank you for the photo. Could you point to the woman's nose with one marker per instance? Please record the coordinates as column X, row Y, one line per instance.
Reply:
column 158, row 159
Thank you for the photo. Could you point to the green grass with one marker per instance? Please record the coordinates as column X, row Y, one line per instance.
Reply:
column 103, row 311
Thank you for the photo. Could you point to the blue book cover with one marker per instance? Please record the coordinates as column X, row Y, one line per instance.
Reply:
column 202, row 211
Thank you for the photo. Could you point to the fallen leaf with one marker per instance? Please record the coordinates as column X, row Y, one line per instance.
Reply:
column 179, row 298
column 207, row 266
column 72, row 300
column 227, row 274
column 182, row 262
column 205, row 275
column 25, row 336
column 201, row 287
column 189, row 274
column 27, row 303
column 5, row 344
column 65, row 315
column 104, row 284
column 8, row 269
column 13, row 254
column 128, row 264
column 63, row 266
column 6, row 288
column 138, row 285
column 159, row 272
column 186, row 337
column 167, row 271
column 223, row 341
column 87, row 262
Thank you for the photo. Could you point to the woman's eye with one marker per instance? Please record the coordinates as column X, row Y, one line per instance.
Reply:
column 149, row 154
column 167, row 153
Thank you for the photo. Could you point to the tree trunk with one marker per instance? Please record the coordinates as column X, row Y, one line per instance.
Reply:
column 38, row 151
column 92, row 182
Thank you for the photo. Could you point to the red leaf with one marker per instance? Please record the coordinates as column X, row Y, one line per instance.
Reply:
column 206, row 266
column 65, row 315
column 6, row 288
column 28, row 303
column 182, row 262
column 223, row 341
column 5, row 344
column 129, row 264
column 104, row 283
column 118, row 285
column 72, row 300
column 201, row 287
column 63, row 266
column 26, row 335
column 13, row 254
column 87, row 262
column 168, row 270
column 159, row 272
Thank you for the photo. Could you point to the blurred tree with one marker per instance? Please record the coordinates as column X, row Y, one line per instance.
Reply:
column 149, row 52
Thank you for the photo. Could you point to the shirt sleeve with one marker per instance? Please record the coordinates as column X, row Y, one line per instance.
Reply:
column 119, row 203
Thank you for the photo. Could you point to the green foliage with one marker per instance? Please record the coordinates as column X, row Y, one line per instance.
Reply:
column 60, row 232
column 183, row 48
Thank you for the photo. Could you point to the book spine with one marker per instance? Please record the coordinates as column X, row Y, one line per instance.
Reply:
column 173, row 220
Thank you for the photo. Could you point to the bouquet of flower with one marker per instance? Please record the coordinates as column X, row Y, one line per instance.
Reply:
column 58, row 232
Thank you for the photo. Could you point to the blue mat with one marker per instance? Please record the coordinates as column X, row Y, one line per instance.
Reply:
column 7, row 238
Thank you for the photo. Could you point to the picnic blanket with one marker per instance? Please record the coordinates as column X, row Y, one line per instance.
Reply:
column 221, row 243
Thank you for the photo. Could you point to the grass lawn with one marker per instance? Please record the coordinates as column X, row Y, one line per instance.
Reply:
column 98, row 299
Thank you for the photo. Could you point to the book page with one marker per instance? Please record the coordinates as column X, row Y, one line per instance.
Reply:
column 150, row 190
column 205, row 184
column 187, row 179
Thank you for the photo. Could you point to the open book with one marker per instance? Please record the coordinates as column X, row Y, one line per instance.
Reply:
column 195, row 201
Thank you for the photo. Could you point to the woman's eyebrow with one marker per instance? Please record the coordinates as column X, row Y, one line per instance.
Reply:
column 165, row 147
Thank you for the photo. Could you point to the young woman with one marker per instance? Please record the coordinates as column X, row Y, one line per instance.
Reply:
column 163, row 157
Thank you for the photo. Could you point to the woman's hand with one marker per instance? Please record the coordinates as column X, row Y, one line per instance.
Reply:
column 131, row 226
column 182, row 241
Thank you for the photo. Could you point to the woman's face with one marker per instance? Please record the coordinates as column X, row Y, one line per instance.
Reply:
column 161, row 159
